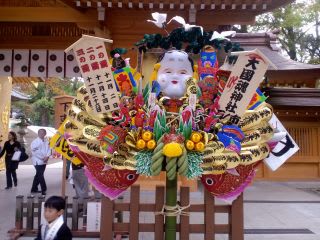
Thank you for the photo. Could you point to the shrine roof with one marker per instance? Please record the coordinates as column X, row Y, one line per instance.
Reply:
column 17, row 95
column 256, row 6
column 268, row 44
column 294, row 97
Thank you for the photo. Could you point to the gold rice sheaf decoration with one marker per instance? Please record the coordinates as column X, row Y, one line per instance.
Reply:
column 210, row 169
column 72, row 130
column 254, row 154
column 80, row 118
column 82, row 102
column 90, row 147
column 91, row 132
column 132, row 138
column 213, row 148
column 251, row 138
column 233, row 159
column 79, row 104
column 122, row 159
column 84, row 125
column 266, row 132
column 120, row 162
column 252, row 118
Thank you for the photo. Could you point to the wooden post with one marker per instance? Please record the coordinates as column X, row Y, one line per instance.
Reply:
column 5, row 106
column 159, row 219
column 237, row 232
column 75, row 213
column 209, row 216
column 19, row 212
column 63, row 180
column 184, row 220
column 30, row 211
column 40, row 201
column 134, row 213
column 107, row 216
column 65, row 214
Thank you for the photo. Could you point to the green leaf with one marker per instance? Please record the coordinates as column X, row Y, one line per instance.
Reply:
column 146, row 93
column 181, row 124
column 188, row 130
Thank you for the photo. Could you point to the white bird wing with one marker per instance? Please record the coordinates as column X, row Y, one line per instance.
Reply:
column 222, row 35
column 159, row 19
column 155, row 15
column 228, row 33
column 187, row 27
column 179, row 20
column 216, row 35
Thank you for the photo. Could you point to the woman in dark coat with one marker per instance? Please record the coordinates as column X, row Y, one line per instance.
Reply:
column 9, row 148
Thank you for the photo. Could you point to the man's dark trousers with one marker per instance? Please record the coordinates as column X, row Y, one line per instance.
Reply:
column 39, row 179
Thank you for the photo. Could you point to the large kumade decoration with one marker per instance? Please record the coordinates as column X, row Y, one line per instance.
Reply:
column 192, row 120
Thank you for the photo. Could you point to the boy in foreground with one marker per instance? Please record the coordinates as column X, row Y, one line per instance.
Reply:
column 55, row 228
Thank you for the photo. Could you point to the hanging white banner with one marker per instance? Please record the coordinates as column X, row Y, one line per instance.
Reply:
column 246, row 75
column 285, row 145
column 93, row 61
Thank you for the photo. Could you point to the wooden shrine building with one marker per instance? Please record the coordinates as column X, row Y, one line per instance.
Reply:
column 34, row 33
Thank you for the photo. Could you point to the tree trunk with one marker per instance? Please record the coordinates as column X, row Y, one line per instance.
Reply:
column 45, row 118
column 291, row 44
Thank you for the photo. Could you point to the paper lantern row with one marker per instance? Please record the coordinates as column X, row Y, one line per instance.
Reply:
column 38, row 63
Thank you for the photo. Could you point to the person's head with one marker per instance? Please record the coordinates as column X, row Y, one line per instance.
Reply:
column 54, row 208
column 175, row 68
column 42, row 133
column 12, row 136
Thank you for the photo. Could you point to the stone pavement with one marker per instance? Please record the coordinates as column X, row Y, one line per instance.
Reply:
column 273, row 210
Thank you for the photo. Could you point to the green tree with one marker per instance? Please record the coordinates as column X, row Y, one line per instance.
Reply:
column 40, row 108
column 42, row 113
column 298, row 24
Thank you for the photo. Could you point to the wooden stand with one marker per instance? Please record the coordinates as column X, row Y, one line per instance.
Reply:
column 132, row 226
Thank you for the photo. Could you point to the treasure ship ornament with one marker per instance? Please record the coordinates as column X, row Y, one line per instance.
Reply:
column 176, row 123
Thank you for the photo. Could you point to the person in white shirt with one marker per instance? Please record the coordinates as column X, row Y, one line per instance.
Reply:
column 41, row 152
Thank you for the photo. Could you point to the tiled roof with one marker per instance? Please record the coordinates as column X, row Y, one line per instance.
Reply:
column 267, row 43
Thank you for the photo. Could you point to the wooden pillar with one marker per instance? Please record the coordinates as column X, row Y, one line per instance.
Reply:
column 107, row 216
column 184, row 219
column 5, row 106
column 209, row 216
column 63, row 180
column 19, row 212
column 237, row 232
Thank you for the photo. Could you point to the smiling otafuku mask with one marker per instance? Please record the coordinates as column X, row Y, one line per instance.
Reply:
column 175, row 69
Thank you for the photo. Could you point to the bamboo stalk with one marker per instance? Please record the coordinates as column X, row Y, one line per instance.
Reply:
column 171, row 201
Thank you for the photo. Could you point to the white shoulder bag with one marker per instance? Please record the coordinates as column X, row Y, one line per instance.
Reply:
column 16, row 156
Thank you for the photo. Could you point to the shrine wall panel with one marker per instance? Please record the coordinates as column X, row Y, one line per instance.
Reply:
column 305, row 164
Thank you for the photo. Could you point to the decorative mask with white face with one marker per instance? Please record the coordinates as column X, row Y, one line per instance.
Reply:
column 173, row 73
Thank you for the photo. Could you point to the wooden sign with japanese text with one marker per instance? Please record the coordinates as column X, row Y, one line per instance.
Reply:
column 93, row 61
column 61, row 105
column 246, row 75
